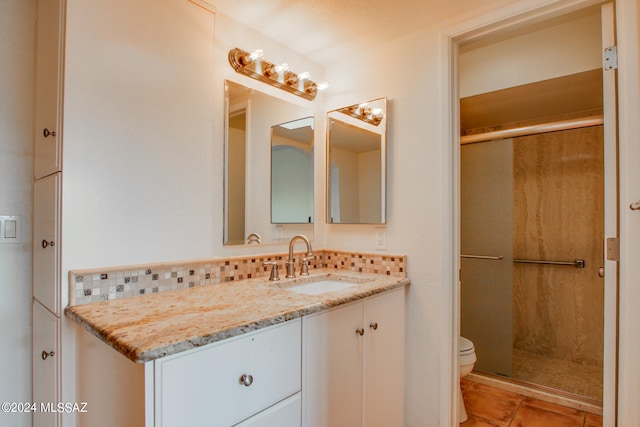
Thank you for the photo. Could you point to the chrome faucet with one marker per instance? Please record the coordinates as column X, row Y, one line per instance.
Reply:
column 274, row 270
column 291, row 267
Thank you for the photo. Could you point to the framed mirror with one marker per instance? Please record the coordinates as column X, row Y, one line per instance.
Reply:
column 356, row 163
column 255, row 128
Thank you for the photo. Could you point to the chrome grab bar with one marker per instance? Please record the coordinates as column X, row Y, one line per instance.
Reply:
column 579, row 263
column 497, row 258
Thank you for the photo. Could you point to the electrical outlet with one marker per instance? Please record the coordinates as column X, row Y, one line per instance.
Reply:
column 279, row 233
column 380, row 242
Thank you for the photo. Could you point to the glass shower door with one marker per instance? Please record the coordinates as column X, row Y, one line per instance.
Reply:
column 486, row 247
column 532, row 296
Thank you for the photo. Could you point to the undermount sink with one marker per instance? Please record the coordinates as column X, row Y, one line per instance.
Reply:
column 323, row 285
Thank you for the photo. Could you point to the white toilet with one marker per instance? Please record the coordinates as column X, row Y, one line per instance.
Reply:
column 466, row 360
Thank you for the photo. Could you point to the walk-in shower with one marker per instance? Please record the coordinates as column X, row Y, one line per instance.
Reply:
column 532, row 233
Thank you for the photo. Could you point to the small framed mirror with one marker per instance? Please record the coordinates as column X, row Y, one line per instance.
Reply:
column 260, row 198
column 356, row 163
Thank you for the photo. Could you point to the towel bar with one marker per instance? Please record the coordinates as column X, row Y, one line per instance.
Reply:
column 579, row 263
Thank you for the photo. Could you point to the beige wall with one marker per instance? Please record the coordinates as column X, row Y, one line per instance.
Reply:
column 564, row 48
column 17, row 21
column 236, row 161
column 346, row 163
column 369, row 193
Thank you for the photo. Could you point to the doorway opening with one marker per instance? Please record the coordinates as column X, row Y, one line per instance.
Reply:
column 532, row 207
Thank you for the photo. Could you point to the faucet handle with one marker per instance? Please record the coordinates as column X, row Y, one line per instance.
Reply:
column 274, row 270
column 304, row 266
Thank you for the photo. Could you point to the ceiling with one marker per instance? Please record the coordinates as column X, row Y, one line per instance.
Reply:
column 547, row 100
column 327, row 30
column 352, row 138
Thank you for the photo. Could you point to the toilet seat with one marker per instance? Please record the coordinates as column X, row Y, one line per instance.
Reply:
column 465, row 346
column 467, row 352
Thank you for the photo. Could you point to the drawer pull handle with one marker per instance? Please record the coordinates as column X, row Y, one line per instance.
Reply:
column 246, row 380
column 45, row 354
column 373, row 325
column 360, row 331
column 46, row 132
column 45, row 244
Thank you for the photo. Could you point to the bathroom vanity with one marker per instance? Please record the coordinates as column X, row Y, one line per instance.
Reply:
column 296, row 352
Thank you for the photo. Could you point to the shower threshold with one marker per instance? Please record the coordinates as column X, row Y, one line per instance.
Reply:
column 538, row 391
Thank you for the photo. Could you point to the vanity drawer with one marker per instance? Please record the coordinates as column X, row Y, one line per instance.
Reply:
column 224, row 383
column 287, row 413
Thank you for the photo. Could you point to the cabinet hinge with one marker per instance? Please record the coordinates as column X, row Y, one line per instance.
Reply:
column 613, row 249
column 610, row 58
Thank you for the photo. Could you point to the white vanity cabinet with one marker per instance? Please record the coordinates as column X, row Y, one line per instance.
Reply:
column 353, row 363
column 249, row 380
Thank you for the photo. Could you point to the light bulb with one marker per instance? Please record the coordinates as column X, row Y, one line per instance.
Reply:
column 282, row 68
column 304, row 76
column 323, row 86
column 256, row 54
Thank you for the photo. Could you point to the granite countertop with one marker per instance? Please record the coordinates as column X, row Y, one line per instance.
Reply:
column 148, row 327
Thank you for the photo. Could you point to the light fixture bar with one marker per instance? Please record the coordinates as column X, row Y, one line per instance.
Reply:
column 365, row 113
column 256, row 67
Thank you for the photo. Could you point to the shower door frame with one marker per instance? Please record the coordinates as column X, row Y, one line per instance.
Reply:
column 511, row 18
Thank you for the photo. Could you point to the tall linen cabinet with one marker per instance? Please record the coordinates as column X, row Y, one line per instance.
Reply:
column 46, row 304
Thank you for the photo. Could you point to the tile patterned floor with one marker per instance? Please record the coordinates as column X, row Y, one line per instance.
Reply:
column 491, row 407
column 576, row 378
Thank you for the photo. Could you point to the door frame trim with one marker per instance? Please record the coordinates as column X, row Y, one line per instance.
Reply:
column 507, row 18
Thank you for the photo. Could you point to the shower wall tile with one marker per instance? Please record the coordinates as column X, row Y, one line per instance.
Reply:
column 558, row 216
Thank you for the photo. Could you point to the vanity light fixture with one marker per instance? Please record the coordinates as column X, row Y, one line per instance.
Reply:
column 253, row 64
column 365, row 113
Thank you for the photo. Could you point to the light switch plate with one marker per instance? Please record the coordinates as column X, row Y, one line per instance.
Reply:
column 10, row 229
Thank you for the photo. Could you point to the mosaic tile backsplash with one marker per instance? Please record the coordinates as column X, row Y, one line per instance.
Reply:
column 95, row 285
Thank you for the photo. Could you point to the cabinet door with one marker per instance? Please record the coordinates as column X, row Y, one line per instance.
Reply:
column 225, row 383
column 45, row 365
column 47, row 88
column 46, row 248
column 283, row 414
column 332, row 367
column 384, row 359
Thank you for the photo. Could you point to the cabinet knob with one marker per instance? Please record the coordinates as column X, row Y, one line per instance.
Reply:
column 246, row 380
column 373, row 325
column 46, row 132
column 45, row 244
column 360, row 331
column 45, row 354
